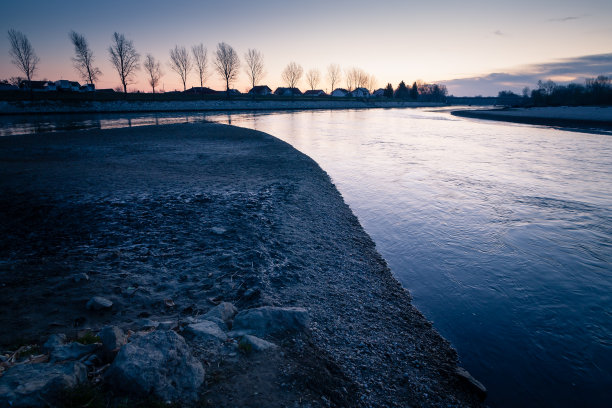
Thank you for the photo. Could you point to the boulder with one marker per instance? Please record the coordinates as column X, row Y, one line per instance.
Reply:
column 54, row 341
column 206, row 330
column 473, row 383
column 72, row 351
column 112, row 338
column 252, row 343
column 99, row 303
column 224, row 312
column 159, row 363
column 267, row 320
column 38, row 385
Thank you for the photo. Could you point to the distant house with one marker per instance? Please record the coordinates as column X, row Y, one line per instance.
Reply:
column 260, row 90
column 33, row 85
column 106, row 90
column 64, row 85
column 315, row 92
column 360, row 93
column 340, row 92
column 5, row 86
column 379, row 93
column 87, row 88
column 50, row 86
column 280, row 91
column 200, row 91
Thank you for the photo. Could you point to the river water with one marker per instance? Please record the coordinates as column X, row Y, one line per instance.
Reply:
column 501, row 232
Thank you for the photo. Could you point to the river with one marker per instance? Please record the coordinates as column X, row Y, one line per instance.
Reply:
column 502, row 233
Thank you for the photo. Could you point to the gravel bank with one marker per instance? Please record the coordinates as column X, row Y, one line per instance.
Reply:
column 167, row 221
column 564, row 116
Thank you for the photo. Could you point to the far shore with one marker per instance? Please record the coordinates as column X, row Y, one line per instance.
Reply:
column 563, row 116
column 52, row 107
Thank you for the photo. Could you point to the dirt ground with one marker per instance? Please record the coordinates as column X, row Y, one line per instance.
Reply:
column 197, row 213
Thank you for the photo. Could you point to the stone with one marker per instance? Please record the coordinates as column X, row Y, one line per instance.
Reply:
column 112, row 338
column 38, row 385
column 80, row 277
column 99, row 303
column 252, row 343
column 224, row 312
column 54, row 341
column 218, row 230
column 476, row 385
column 159, row 363
column 147, row 324
column 205, row 330
column 72, row 351
column 267, row 320
column 167, row 325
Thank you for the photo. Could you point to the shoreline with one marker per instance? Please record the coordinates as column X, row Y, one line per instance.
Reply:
column 167, row 221
column 592, row 119
column 62, row 107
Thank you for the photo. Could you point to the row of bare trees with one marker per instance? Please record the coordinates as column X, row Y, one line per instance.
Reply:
column 126, row 61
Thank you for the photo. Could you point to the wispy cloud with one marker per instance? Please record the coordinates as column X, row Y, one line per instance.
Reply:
column 568, row 18
column 499, row 33
column 565, row 70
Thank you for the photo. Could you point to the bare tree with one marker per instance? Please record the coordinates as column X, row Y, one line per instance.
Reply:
column 227, row 64
column 356, row 78
column 125, row 59
column 153, row 70
column 180, row 62
column 334, row 75
column 84, row 59
column 371, row 83
column 254, row 66
column 313, row 77
column 292, row 74
column 22, row 53
column 200, row 59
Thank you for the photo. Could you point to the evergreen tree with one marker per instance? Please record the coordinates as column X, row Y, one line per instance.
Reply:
column 414, row 91
column 388, row 91
column 402, row 91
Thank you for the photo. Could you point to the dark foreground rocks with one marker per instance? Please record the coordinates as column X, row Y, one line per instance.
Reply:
column 228, row 238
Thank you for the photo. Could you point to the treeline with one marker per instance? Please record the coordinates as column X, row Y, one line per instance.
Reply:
column 195, row 62
column 595, row 91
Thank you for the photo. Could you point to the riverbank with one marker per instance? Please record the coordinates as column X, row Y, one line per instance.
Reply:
column 168, row 221
column 562, row 116
column 51, row 107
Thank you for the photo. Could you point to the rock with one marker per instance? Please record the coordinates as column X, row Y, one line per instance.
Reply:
column 147, row 324
column 167, row 325
column 206, row 330
column 224, row 312
column 268, row 320
column 476, row 385
column 158, row 363
column 252, row 343
column 54, row 341
column 72, row 351
column 218, row 230
column 112, row 338
column 38, row 385
column 80, row 277
column 99, row 303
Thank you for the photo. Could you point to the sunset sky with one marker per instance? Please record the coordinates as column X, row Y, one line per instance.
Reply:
column 476, row 46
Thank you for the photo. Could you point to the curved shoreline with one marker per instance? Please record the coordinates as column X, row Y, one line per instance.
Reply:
column 581, row 118
column 193, row 212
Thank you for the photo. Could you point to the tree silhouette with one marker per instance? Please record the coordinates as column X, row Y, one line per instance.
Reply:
column 124, row 58
column 312, row 77
column 334, row 75
column 402, row 91
column 292, row 74
column 200, row 59
column 84, row 59
column 388, row 91
column 227, row 64
column 180, row 62
column 153, row 69
column 414, row 91
column 23, row 53
column 254, row 66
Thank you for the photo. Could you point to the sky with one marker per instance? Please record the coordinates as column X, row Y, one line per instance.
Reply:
column 475, row 47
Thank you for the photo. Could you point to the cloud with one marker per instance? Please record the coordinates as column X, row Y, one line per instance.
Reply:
column 568, row 18
column 499, row 33
column 561, row 71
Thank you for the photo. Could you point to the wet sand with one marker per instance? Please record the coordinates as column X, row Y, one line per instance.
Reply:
column 197, row 213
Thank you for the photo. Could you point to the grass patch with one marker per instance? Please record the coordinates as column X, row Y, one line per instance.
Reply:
column 89, row 338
